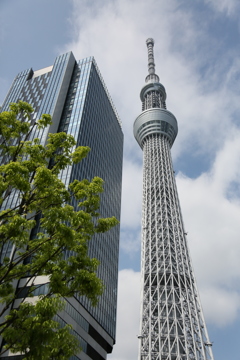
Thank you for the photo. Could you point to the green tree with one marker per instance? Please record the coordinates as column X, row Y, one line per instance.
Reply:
column 30, row 172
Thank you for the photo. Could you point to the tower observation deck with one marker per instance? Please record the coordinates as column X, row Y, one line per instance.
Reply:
column 172, row 323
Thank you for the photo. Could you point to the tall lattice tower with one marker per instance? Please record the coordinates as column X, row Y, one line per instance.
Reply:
column 172, row 322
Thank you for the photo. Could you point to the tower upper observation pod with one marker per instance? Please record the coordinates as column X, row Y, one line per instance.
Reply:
column 155, row 118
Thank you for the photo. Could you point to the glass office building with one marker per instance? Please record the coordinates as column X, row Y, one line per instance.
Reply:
column 75, row 95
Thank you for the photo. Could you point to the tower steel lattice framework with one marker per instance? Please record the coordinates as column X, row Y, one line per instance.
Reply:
column 172, row 322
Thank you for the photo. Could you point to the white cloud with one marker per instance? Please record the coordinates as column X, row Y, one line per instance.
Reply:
column 210, row 214
column 224, row 309
column 226, row 168
column 115, row 34
column 212, row 221
column 201, row 74
column 130, row 241
column 128, row 316
column 131, row 194
column 229, row 7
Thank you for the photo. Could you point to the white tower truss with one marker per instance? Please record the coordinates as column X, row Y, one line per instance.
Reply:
column 172, row 322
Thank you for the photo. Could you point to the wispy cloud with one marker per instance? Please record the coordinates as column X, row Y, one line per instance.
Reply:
column 229, row 7
column 212, row 212
column 128, row 316
column 200, row 68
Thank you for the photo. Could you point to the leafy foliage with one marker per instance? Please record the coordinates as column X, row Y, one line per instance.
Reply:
column 47, row 237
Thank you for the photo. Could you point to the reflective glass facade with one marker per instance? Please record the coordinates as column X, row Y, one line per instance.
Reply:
column 74, row 93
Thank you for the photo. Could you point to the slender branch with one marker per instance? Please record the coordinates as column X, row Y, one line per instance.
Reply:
column 5, row 350
column 31, row 278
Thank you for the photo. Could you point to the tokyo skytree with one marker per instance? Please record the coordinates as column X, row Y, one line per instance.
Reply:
column 172, row 323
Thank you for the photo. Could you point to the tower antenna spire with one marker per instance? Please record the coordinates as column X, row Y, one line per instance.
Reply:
column 151, row 64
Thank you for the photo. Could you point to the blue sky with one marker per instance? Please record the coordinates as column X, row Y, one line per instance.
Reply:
column 197, row 57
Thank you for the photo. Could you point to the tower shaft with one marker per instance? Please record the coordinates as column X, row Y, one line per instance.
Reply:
column 172, row 322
